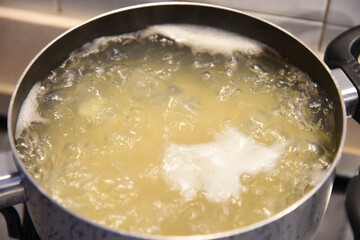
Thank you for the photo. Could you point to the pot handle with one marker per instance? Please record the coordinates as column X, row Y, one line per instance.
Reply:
column 343, row 52
column 11, row 189
column 352, row 205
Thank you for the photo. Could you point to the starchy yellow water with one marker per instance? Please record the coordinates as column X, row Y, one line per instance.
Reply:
column 146, row 134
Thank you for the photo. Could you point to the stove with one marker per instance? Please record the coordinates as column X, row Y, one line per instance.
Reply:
column 15, row 222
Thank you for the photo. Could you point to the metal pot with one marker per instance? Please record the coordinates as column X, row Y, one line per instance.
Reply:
column 299, row 221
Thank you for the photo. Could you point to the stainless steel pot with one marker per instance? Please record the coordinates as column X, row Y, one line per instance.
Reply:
column 53, row 221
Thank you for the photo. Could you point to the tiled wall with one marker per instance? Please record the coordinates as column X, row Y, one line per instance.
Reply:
column 314, row 22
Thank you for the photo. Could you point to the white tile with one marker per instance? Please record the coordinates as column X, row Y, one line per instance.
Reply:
column 86, row 9
column 49, row 6
column 307, row 9
column 22, row 42
column 331, row 31
column 307, row 31
column 346, row 12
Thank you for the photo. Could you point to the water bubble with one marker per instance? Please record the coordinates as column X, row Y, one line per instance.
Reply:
column 193, row 211
column 229, row 72
column 226, row 123
column 136, row 118
column 117, row 74
column 62, row 78
column 200, row 65
column 326, row 111
column 226, row 92
column 246, row 179
column 166, row 41
column 53, row 99
column 233, row 63
column 73, row 150
column 224, row 213
column 116, row 54
column 258, row 69
column 325, row 161
column 205, row 75
column 116, row 140
column 169, row 59
column 238, row 91
column 140, row 84
column 153, row 38
column 315, row 148
column 193, row 105
column 282, row 72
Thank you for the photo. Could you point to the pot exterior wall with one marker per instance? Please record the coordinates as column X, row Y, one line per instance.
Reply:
column 54, row 223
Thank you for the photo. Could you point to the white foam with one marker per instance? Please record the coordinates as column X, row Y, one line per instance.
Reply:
column 90, row 47
column 214, row 168
column 206, row 39
column 199, row 38
column 28, row 111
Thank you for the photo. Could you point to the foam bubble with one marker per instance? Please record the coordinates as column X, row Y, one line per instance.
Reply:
column 214, row 168
column 206, row 39
column 91, row 47
column 28, row 112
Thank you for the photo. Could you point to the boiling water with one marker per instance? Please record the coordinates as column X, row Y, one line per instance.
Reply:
column 169, row 131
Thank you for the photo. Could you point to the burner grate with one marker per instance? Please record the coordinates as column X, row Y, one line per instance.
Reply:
column 24, row 231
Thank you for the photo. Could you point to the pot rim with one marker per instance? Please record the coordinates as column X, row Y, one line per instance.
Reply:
column 275, row 217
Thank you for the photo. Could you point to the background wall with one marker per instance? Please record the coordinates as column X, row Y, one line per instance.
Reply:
column 316, row 22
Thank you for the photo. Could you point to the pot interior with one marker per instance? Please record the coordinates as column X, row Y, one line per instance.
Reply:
column 134, row 19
